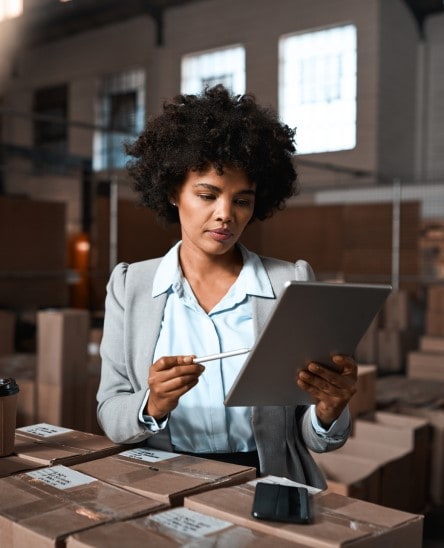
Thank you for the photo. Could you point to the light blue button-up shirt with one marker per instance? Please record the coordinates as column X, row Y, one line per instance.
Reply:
column 201, row 422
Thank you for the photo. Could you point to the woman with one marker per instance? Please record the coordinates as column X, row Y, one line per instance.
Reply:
column 214, row 163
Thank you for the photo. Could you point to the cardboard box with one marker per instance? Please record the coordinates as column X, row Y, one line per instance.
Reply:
column 393, row 347
column 47, row 444
column 406, row 432
column 395, row 390
column 62, row 343
column 394, row 464
column 43, row 507
column 337, row 521
column 62, row 405
column 350, row 475
column 434, row 322
column 62, row 366
column 425, row 365
column 435, row 417
column 435, row 297
column 7, row 332
column 364, row 400
column 167, row 477
column 13, row 465
column 397, row 310
column 175, row 527
column 427, row 343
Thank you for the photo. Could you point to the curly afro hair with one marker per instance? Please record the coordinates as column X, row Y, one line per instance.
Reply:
column 214, row 129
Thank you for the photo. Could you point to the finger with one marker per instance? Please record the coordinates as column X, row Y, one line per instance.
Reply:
column 167, row 362
column 321, row 387
column 346, row 363
column 326, row 374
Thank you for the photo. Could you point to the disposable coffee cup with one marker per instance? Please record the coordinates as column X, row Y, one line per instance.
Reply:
column 8, row 414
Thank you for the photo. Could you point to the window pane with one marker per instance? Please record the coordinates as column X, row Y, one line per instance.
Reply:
column 223, row 66
column 10, row 9
column 317, row 88
column 122, row 112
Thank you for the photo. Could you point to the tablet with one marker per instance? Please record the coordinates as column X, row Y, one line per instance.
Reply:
column 311, row 321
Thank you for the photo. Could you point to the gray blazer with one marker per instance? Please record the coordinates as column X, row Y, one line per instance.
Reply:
column 131, row 328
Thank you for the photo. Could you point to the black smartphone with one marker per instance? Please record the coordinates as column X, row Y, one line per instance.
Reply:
column 276, row 502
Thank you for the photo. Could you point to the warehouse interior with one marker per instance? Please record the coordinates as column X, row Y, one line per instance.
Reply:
column 78, row 79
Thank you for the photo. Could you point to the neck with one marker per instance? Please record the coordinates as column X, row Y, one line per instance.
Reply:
column 197, row 265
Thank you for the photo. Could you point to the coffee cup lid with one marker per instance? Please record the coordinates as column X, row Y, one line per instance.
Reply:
column 8, row 387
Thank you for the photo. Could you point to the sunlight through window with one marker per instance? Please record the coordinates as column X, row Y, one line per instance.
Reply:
column 317, row 91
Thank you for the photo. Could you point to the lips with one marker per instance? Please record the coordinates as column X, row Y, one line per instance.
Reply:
column 220, row 234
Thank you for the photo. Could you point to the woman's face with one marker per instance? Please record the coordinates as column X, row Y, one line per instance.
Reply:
column 214, row 209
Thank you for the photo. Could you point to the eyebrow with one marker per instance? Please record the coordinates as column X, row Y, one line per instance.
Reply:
column 214, row 188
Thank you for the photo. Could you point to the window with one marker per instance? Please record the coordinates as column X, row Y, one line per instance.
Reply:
column 51, row 137
column 121, row 114
column 317, row 91
column 222, row 66
column 10, row 9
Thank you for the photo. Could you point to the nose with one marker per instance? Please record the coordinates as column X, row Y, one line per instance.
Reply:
column 224, row 210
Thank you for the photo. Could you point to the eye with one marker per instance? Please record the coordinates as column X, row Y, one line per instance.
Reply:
column 206, row 197
column 242, row 202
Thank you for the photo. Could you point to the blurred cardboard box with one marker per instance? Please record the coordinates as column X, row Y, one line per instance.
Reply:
column 434, row 322
column 395, row 390
column 427, row 343
column 43, row 507
column 364, row 400
column 350, row 475
column 63, row 337
column 435, row 417
column 337, row 521
column 175, row 527
column 62, row 405
column 393, row 347
column 435, row 297
column 425, row 365
column 394, row 464
column 407, row 432
column 397, row 311
column 49, row 444
column 7, row 332
column 62, row 366
column 167, row 477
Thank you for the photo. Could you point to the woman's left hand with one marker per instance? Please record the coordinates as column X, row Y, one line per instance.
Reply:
column 331, row 390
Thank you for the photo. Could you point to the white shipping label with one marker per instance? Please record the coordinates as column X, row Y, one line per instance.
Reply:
column 44, row 430
column 148, row 455
column 189, row 522
column 61, row 477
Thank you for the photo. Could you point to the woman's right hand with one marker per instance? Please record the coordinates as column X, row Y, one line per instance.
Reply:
column 169, row 378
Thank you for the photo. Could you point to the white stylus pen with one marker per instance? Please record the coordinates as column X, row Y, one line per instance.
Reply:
column 221, row 355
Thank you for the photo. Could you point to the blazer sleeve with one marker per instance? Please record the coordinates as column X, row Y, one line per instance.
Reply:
column 118, row 401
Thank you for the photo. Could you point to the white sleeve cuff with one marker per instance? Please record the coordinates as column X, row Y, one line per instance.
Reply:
column 338, row 428
column 150, row 422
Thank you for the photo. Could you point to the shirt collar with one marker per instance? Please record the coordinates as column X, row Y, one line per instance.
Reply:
column 253, row 278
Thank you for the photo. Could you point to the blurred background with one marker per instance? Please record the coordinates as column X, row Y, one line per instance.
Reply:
column 361, row 80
